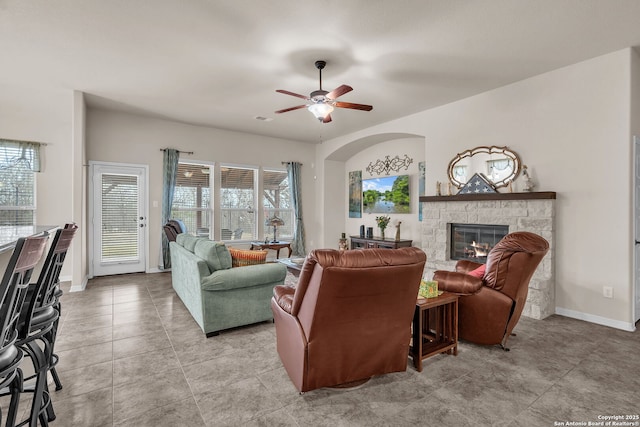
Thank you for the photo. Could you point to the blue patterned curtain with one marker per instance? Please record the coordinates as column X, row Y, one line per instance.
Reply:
column 169, row 171
column 297, row 245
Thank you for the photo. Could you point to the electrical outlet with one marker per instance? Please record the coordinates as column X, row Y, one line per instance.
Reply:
column 607, row 291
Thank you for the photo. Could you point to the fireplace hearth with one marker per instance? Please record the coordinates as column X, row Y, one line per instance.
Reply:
column 474, row 241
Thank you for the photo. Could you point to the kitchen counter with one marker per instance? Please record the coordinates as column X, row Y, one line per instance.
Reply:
column 9, row 235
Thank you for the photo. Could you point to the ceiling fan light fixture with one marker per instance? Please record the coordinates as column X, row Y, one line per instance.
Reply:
column 321, row 103
column 320, row 110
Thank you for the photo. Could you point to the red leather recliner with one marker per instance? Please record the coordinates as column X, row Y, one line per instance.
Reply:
column 491, row 306
column 349, row 318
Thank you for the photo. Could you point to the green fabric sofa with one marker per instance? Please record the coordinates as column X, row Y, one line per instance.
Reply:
column 218, row 296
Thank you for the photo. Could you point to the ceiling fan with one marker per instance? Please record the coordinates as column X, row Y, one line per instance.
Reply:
column 321, row 103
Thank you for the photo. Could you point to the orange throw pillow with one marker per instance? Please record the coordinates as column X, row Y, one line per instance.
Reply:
column 243, row 257
column 478, row 272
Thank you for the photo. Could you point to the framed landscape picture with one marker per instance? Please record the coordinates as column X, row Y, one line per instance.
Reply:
column 389, row 194
column 355, row 194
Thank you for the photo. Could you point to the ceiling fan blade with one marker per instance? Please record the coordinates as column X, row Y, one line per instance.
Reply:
column 339, row 91
column 297, row 107
column 353, row 106
column 327, row 119
column 286, row 92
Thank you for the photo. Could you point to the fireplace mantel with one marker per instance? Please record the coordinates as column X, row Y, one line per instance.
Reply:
column 490, row 196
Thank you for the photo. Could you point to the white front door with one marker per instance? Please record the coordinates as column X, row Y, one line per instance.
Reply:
column 636, row 199
column 119, row 218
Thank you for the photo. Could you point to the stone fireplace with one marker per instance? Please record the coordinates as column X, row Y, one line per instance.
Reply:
column 532, row 212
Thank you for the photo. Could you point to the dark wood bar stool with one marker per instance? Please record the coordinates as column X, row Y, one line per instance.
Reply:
column 13, row 291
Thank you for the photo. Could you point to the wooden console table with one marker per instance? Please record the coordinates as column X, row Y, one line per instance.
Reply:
column 276, row 246
column 435, row 327
column 358, row 242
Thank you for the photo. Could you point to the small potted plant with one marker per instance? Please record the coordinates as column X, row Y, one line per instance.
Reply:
column 382, row 222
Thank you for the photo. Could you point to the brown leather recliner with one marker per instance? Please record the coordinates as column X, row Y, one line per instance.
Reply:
column 491, row 306
column 349, row 317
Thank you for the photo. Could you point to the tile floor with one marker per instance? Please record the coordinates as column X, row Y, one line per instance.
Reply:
column 131, row 355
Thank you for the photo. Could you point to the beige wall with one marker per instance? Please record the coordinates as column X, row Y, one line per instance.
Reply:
column 571, row 127
column 78, row 258
column 126, row 138
column 45, row 115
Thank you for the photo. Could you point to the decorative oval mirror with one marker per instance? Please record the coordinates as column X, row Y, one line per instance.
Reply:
column 500, row 165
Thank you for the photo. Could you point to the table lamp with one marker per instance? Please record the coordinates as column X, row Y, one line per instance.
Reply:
column 274, row 221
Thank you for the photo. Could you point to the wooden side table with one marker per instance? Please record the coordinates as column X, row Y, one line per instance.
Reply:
column 294, row 268
column 276, row 246
column 435, row 327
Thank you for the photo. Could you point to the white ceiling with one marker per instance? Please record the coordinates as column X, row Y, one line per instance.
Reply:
column 218, row 63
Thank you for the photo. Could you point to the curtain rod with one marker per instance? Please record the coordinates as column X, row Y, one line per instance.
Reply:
column 183, row 152
column 20, row 140
column 286, row 163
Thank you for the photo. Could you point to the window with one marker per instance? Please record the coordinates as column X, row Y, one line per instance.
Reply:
column 277, row 201
column 238, row 206
column 192, row 198
column 460, row 173
column 18, row 161
column 119, row 218
column 497, row 170
column 237, row 203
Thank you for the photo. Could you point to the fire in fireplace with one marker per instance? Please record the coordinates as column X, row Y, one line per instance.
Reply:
column 474, row 241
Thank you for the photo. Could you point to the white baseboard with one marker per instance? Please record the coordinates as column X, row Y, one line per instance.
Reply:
column 81, row 287
column 592, row 318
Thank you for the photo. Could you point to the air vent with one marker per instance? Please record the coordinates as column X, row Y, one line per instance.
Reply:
column 263, row 119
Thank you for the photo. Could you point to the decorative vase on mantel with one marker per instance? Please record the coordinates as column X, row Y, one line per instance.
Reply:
column 382, row 233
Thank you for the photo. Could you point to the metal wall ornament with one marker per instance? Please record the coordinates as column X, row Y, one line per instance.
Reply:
column 387, row 165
